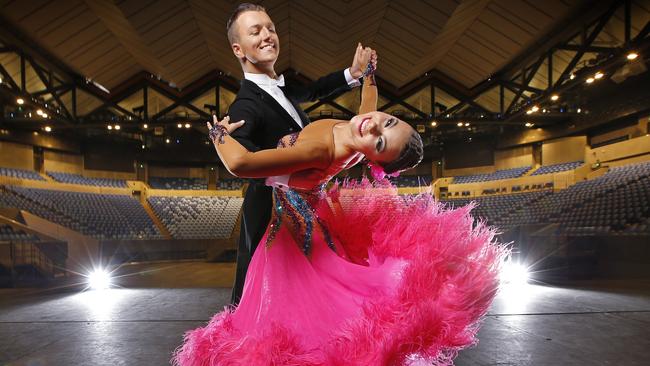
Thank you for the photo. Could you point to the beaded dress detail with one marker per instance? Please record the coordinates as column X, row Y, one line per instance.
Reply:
column 355, row 275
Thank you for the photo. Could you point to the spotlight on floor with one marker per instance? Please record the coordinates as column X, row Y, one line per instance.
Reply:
column 99, row 279
column 514, row 273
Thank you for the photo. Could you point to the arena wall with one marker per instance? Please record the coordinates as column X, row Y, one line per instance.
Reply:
column 564, row 150
column 17, row 156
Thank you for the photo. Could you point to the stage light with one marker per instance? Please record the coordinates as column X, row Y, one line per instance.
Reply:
column 187, row 125
column 167, row 141
column 466, row 124
column 117, row 127
column 528, row 124
column 590, row 80
column 579, row 110
column 459, row 124
column 535, row 108
column 143, row 147
column 598, row 75
column 572, row 76
column 514, row 273
column 109, row 127
column 145, row 126
column 434, row 124
column 555, row 97
column 179, row 125
column 48, row 129
column 39, row 112
column 20, row 101
column 99, row 279
column 632, row 56
column 530, row 111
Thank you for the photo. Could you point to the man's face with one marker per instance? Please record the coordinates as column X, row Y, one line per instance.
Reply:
column 257, row 42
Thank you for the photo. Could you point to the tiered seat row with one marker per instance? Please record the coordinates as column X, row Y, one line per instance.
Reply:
column 412, row 180
column 498, row 175
column 204, row 217
column 80, row 179
column 102, row 216
column 8, row 233
column 498, row 209
column 20, row 173
column 556, row 168
column 178, row 183
column 231, row 184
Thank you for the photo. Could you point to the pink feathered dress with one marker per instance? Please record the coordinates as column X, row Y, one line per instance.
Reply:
column 356, row 275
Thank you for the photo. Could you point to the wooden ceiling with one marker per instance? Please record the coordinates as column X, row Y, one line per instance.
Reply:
column 183, row 40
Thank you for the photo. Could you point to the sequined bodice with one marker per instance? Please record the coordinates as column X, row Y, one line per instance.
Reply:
column 295, row 207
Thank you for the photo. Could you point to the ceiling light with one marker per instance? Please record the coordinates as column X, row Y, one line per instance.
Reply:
column 535, row 108
column 187, row 125
column 145, row 125
column 572, row 76
column 528, row 124
column 117, row 127
column 179, row 125
column 579, row 110
column 632, row 56
column 434, row 124
column 167, row 141
column 555, row 97
column 459, row 124
column 590, row 80
column 20, row 101
column 466, row 124
column 598, row 75
column 44, row 115
column 109, row 127
column 48, row 129
column 142, row 147
column 530, row 111
column 39, row 112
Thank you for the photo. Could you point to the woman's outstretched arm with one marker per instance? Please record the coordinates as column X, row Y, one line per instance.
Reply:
column 369, row 95
column 264, row 163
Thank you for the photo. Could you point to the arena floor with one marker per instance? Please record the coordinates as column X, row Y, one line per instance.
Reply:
column 140, row 324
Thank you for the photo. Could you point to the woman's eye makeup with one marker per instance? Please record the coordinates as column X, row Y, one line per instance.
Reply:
column 380, row 144
column 390, row 122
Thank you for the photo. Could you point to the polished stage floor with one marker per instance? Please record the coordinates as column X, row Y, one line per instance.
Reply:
column 589, row 323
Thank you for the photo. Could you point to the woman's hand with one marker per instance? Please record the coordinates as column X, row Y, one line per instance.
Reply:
column 363, row 57
column 225, row 123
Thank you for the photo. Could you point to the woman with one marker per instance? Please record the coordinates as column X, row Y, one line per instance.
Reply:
column 355, row 275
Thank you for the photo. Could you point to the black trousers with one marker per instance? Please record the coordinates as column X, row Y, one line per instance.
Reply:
column 256, row 215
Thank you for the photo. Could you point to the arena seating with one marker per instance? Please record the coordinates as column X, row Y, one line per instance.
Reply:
column 555, row 168
column 8, row 233
column 616, row 203
column 80, row 179
column 498, row 175
column 20, row 173
column 231, row 184
column 411, row 180
column 498, row 210
column 103, row 216
column 178, row 183
column 203, row 217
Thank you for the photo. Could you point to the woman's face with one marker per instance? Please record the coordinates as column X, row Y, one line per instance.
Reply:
column 379, row 136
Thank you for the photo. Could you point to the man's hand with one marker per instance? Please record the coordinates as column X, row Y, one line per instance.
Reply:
column 362, row 57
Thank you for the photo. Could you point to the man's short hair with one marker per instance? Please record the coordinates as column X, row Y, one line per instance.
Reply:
column 239, row 10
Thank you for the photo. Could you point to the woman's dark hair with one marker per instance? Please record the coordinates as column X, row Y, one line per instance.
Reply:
column 241, row 8
column 409, row 157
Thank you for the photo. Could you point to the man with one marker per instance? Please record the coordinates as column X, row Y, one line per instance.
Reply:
column 271, row 110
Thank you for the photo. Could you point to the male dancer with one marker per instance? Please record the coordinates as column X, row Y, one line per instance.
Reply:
column 271, row 110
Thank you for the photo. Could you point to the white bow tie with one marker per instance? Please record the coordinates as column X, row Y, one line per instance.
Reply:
column 277, row 82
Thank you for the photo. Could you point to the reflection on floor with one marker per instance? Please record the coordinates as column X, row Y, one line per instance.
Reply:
column 143, row 321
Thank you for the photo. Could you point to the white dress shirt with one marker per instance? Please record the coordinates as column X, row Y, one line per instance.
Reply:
column 272, row 86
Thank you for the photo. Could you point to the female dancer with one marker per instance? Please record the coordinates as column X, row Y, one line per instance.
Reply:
column 354, row 275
